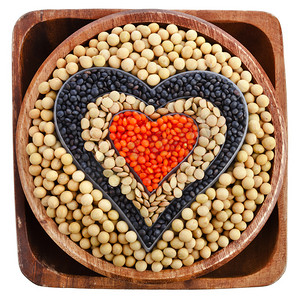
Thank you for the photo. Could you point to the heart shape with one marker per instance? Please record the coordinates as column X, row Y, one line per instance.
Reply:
column 153, row 149
column 99, row 117
column 87, row 85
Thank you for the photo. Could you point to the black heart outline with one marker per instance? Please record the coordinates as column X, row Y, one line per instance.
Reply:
column 158, row 228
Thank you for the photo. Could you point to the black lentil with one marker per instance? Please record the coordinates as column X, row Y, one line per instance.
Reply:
column 86, row 86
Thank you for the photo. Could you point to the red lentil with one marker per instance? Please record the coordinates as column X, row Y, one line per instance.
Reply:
column 153, row 149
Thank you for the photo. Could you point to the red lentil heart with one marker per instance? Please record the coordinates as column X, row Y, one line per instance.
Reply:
column 153, row 148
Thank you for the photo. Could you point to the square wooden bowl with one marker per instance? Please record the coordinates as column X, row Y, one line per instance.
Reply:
column 35, row 35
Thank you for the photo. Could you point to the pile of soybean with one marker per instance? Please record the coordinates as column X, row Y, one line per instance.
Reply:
column 216, row 218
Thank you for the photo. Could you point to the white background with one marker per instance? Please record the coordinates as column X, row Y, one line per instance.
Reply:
column 13, row 283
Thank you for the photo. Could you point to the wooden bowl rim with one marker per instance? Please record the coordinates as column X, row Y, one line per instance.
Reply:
column 206, row 29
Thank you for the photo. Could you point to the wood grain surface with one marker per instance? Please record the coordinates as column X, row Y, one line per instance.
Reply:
column 271, row 34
